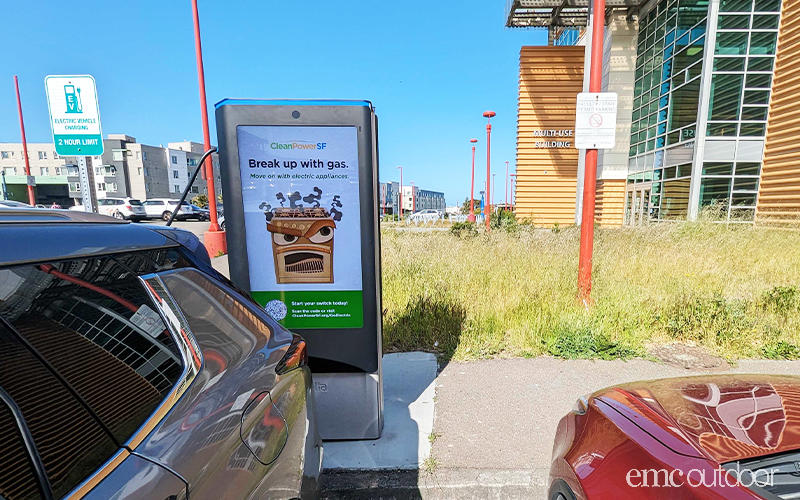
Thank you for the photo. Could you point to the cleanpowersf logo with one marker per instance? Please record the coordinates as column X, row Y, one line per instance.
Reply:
column 297, row 145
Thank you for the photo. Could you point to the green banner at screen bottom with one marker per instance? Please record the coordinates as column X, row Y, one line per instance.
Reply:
column 314, row 309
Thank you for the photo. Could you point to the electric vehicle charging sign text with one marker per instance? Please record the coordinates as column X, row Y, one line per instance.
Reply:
column 300, row 194
column 74, row 115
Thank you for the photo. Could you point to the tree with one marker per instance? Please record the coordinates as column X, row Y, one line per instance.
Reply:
column 200, row 200
column 465, row 206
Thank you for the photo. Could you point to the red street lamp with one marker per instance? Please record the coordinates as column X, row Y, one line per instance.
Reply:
column 486, row 210
column 400, row 194
column 590, row 165
column 214, row 238
column 471, row 217
column 506, row 198
column 31, row 195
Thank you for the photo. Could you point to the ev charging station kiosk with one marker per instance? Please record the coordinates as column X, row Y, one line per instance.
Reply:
column 300, row 184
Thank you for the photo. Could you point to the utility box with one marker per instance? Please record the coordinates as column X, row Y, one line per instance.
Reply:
column 300, row 184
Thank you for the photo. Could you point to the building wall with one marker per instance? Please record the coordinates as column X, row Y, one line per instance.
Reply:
column 194, row 150
column 550, row 79
column 178, row 172
column 610, row 202
column 779, row 188
column 619, row 67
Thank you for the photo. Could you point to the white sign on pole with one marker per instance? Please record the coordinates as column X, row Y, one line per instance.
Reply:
column 74, row 115
column 596, row 120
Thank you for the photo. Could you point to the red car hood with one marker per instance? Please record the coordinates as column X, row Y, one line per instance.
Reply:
column 725, row 417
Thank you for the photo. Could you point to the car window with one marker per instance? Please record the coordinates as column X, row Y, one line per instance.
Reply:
column 134, row 202
column 71, row 444
column 17, row 476
column 213, row 310
column 94, row 321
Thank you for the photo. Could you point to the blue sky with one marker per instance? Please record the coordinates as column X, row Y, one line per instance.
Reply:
column 430, row 68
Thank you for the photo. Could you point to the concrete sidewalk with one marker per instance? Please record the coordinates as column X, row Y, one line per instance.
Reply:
column 495, row 422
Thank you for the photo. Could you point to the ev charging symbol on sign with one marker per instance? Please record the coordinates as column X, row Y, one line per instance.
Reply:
column 596, row 120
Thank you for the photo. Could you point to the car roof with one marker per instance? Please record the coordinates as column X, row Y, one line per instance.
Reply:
column 35, row 235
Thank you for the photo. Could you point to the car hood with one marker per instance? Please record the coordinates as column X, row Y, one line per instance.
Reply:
column 724, row 417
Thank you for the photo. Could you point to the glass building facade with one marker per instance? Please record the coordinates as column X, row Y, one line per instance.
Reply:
column 702, row 87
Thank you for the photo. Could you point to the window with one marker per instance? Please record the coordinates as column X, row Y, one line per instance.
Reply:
column 146, row 172
column 726, row 91
column 44, row 171
column 192, row 162
column 119, row 155
column 138, row 170
column 55, row 155
column 138, row 155
column 58, row 171
column 144, row 155
column 73, row 170
column 74, row 186
column 174, row 160
column 195, row 190
column 42, row 155
column 57, row 309
column 112, row 186
column 7, row 155
column 10, row 170
column 176, row 188
column 175, row 174
column 96, row 170
column 101, row 186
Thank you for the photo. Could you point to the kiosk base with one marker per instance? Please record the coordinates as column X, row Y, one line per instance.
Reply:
column 349, row 405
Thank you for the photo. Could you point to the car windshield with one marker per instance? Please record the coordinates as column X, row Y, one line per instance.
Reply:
column 175, row 202
column 134, row 202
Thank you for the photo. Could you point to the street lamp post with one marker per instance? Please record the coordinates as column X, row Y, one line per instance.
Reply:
column 413, row 199
column 590, row 165
column 471, row 217
column 400, row 194
column 486, row 210
column 214, row 238
column 506, row 198
column 31, row 195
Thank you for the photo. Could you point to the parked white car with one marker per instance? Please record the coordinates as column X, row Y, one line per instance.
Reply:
column 13, row 204
column 428, row 215
column 122, row 208
column 162, row 208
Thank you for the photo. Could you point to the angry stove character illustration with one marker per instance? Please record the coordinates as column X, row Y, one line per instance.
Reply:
column 302, row 244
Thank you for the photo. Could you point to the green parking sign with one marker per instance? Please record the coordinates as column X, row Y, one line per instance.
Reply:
column 74, row 115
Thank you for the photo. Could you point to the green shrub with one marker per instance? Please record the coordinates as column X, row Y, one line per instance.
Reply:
column 200, row 200
column 464, row 229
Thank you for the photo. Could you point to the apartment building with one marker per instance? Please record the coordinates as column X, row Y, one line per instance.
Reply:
column 125, row 169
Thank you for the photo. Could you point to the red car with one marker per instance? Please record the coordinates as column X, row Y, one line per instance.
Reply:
column 722, row 436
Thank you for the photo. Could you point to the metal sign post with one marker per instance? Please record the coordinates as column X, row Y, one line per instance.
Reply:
column 88, row 194
column 75, row 122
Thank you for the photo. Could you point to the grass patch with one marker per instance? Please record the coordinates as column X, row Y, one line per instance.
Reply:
column 734, row 290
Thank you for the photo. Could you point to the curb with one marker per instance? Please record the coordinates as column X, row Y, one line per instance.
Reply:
column 442, row 484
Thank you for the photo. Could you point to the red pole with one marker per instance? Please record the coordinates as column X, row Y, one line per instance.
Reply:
column 506, row 198
column 471, row 217
column 215, row 243
column 400, row 196
column 31, row 195
column 486, row 208
column 590, row 173
column 413, row 199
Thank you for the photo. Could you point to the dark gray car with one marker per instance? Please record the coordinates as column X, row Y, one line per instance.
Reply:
column 130, row 369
